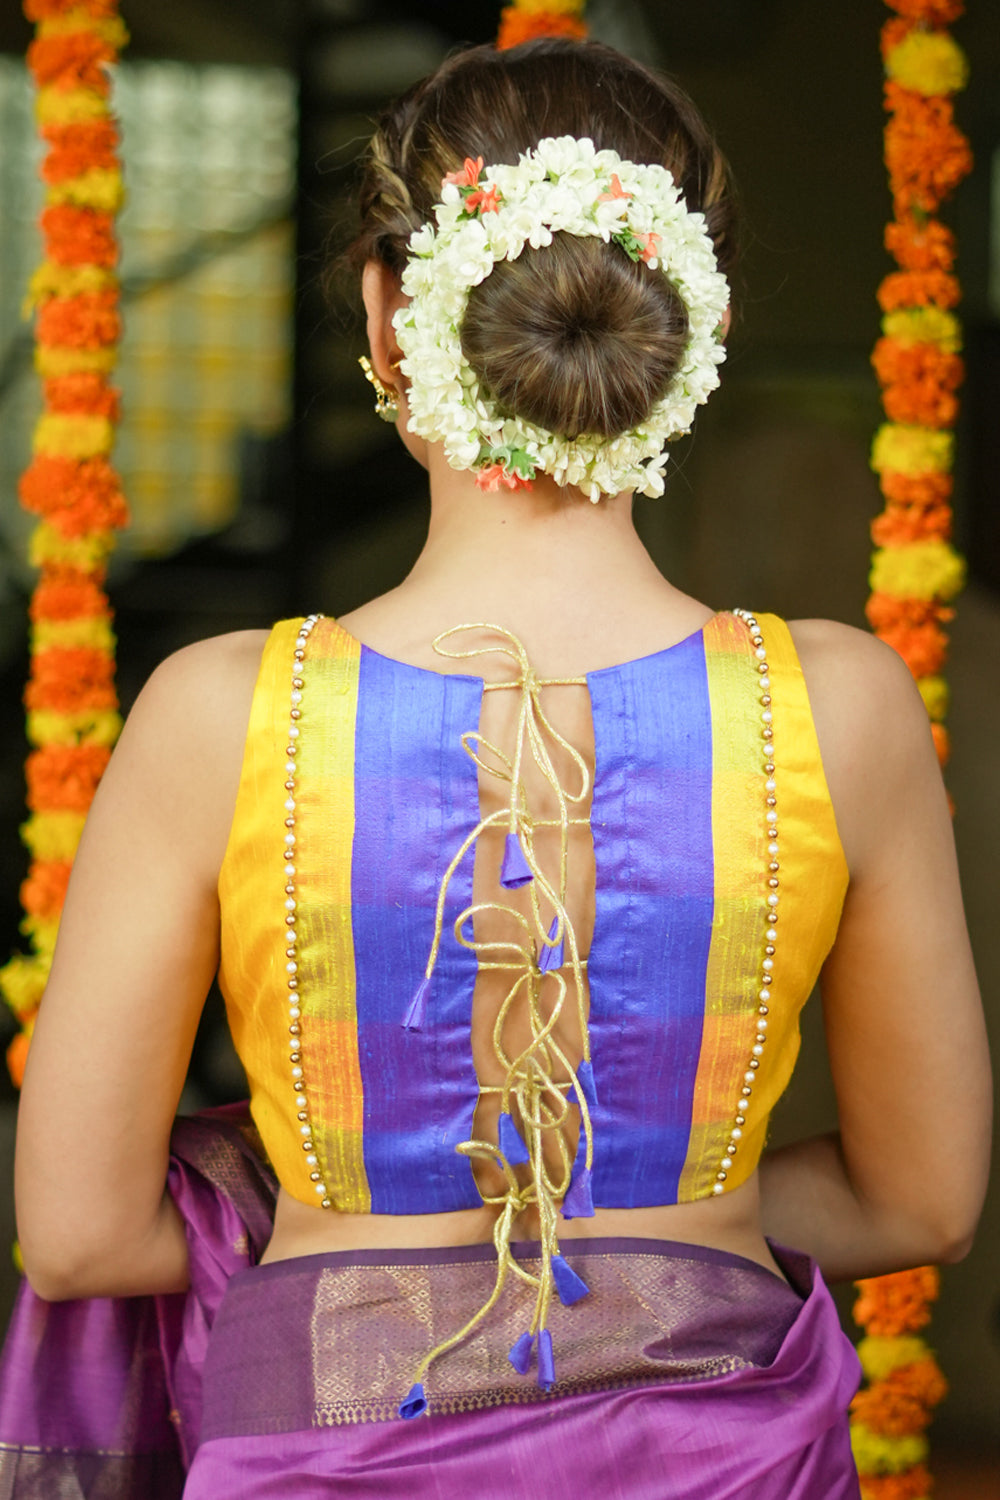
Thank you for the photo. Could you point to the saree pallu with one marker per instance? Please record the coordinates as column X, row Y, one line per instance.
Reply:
column 685, row 1373
column 100, row 1399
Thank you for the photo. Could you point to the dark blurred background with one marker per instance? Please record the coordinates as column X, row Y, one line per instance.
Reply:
column 262, row 485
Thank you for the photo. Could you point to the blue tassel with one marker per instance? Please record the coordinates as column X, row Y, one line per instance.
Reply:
column 415, row 1404
column 552, row 957
column 569, row 1285
column 520, row 1354
column 514, row 870
column 585, row 1074
column 546, row 1363
column 414, row 1017
column 511, row 1144
column 578, row 1202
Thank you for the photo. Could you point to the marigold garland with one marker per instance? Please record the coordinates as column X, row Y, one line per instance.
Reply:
column 72, row 706
column 525, row 20
column 915, row 573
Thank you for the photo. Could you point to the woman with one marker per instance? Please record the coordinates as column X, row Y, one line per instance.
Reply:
column 514, row 960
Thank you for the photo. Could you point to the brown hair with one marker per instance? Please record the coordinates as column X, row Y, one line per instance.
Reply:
column 574, row 336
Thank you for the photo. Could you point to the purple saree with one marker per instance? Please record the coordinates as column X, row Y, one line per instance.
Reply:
column 685, row 1373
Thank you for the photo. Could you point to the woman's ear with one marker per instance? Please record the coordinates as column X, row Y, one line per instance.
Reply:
column 382, row 296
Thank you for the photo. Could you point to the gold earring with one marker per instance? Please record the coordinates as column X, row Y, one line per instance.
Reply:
column 386, row 397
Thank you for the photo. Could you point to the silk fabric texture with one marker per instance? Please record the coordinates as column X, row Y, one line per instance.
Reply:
column 385, row 795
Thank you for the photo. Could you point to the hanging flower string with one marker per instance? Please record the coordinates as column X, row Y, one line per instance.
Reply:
column 525, row 20
column 915, row 575
column 72, row 706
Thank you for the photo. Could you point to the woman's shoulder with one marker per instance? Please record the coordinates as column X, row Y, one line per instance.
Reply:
column 873, row 729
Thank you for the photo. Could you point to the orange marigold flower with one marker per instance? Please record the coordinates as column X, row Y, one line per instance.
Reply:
column 64, row 678
column 925, row 152
column 918, row 289
column 63, row 778
column 892, row 33
column 83, row 391
column 929, row 246
column 79, row 236
column 96, row 10
column 912, row 1484
column 924, row 648
column 942, row 744
column 516, row 27
column 77, row 497
column 897, row 1303
column 67, row 595
column 75, row 60
column 896, row 363
column 17, row 1057
column 44, row 891
column 924, row 405
column 932, row 12
column 886, row 611
column 90, row 320
column 900, row 524
column 917, row 489
column 79, row 148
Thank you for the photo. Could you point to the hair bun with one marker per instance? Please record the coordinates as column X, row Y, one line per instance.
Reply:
column 575, row 337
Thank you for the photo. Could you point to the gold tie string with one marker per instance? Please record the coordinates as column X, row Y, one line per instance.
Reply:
column 542, row 1101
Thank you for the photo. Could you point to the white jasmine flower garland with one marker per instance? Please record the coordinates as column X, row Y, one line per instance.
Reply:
column 488, row 214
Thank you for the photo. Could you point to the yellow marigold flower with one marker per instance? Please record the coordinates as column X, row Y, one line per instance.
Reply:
column 934, row 691
column 549, row 7
column 42, row 931
column 52, row 835
column 17, row 1257
column 110, row 29
column 52, row 360
column 929, row 62
column 100, row 188
column 47, row 545
column 86, row 726
column 85, row 631
column 921, row 570
column 924, row 325
column 73, row 435
column 911, row 450
column 875, row 1454
column 51, row 280
column 23, row 981
column 879, row 1356
column 56, row 106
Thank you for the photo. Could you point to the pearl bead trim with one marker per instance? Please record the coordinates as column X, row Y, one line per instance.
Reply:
column 298, row 1081
column 766, row 980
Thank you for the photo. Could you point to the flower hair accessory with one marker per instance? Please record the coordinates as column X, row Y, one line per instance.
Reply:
column 488, row 214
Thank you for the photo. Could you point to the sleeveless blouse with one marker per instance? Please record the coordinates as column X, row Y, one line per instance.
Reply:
column 385, row 795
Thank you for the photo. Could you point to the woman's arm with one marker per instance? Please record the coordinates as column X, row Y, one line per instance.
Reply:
column 137, row 950
column 902, row 1183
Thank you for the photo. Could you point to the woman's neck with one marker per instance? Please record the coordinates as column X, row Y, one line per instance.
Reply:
column 570, row 578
